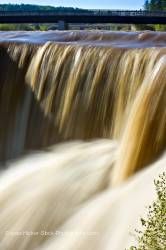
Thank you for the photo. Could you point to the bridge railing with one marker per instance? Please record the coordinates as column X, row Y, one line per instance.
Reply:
column 88, row 13
column 129, row 13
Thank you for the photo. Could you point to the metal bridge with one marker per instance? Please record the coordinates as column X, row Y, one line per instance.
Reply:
column 89, row 16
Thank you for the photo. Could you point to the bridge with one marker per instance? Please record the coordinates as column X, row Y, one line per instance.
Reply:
column 89, row 16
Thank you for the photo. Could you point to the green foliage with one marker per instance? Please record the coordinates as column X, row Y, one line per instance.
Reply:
column 160, row 27
column 153, row 236
column 23, row 7
column 155, row 5
column 43, row 27
column 31, row 7
column 146, row 5
column 26, row 27
column 9, row 27
column 144, row 27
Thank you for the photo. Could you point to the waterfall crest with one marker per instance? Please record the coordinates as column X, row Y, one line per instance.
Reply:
column 84, row 86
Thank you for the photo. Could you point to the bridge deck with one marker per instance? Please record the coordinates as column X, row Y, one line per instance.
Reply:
column 86, row 13
column 89, row 16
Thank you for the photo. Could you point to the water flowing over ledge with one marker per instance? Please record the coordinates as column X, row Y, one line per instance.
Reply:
column 93, row 104
column 66, row 89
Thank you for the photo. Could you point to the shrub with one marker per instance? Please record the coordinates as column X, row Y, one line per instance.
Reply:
column 153, row 235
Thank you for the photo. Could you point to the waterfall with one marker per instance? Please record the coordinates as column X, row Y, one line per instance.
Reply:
column 93, row 105
column 65, row 90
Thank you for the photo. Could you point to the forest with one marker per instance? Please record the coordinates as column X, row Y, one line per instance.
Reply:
column 31, row 7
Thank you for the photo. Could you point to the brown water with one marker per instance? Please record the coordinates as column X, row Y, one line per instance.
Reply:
column 58, row 86
column 105, row 92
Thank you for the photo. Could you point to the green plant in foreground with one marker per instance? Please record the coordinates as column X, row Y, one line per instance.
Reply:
column 153, row 235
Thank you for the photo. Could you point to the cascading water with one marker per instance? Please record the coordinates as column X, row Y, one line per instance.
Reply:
column 101, row 86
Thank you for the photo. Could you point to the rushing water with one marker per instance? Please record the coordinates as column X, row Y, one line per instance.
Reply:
column 105, row 92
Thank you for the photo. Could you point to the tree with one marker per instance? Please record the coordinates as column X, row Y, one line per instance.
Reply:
column 155, row 5
column 146, row 5
column 153, row 236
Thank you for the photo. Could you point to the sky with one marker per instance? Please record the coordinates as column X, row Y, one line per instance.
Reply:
column 93, row 4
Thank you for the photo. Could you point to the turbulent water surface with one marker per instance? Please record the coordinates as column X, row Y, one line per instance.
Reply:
column 102, row 96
